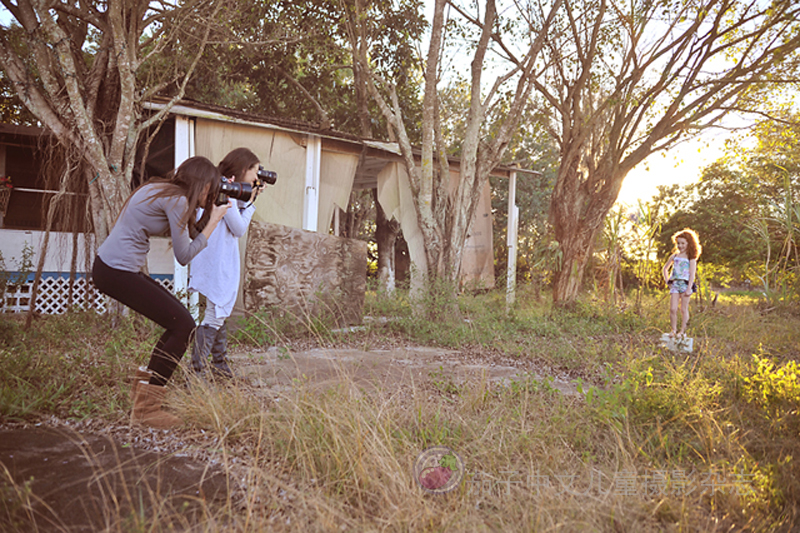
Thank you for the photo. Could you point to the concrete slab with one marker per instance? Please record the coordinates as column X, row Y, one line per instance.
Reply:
column 278, row 370
column 61, row 480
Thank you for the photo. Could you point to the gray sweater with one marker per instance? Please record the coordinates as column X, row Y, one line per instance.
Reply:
column 129, row 241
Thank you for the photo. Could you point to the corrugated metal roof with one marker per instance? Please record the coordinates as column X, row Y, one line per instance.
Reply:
column 199, row 109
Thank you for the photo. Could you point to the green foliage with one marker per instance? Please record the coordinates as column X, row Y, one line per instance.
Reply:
column 637, row 408
column 745, row 208
column 716, row 275
column 15, row 501
column 537, row 250
column 443, row 381
column 531, row 328
column 71, row 365
column 24, row 268
column 292, row 60
column 604, row 100
column 611, row 404
column 12, row 110
column 379, row 303
column 10, row 331
column 274, row 326
column 771, row 387
column 719, row 208
column 258, row 329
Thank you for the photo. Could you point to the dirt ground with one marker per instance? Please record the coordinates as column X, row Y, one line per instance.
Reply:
column 74, row 475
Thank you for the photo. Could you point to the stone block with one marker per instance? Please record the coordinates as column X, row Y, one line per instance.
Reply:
column 305, row 274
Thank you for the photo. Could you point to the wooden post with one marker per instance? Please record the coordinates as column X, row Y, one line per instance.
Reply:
column 184, row 149
column 511, row 240
column 313, row 163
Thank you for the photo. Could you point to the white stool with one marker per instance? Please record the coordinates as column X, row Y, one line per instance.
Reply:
column 683, row 344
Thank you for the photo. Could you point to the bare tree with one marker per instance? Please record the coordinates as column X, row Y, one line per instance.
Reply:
column 84, row 69
column 444, row 212
column 363, row 31
column 622, row 80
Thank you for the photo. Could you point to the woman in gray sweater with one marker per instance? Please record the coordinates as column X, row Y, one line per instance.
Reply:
column 159, row 207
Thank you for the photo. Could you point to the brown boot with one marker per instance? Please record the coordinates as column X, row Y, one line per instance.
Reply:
column 147, row 407
column 142, row 374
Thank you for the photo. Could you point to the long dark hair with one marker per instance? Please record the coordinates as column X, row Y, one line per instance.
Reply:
column 188, row 180
column 693, row 250
column 237, row 162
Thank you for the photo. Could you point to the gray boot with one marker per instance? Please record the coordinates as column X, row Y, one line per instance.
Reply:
column 219, row 351
column 203, row 340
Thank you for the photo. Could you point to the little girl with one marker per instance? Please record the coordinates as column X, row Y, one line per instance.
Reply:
column 215, row 270
column 683, row 263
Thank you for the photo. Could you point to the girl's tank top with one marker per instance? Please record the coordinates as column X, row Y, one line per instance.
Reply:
column 680, row 268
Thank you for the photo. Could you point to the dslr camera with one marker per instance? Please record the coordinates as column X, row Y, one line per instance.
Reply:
column 244, row 191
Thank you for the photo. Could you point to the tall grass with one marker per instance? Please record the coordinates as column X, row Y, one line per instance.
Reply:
column 702, row 441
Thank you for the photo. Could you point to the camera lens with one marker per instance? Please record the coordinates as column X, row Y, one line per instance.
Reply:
column 267, row 176
column 235, row 190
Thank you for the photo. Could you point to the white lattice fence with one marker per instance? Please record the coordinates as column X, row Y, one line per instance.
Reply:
column 53, row 297
column 17, row 298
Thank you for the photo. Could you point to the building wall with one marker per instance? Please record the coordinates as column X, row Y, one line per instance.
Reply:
column 285, row 153
column 15, row 244
column 477, row 265
column 278, row 151
column 19, row 161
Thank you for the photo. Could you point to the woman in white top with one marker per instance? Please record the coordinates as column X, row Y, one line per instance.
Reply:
column 215, row 271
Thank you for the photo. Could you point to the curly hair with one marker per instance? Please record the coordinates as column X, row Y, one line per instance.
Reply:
column 693, row 250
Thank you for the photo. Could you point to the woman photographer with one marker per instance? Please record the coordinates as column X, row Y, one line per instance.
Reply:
column 158, row 207
column 215, row 271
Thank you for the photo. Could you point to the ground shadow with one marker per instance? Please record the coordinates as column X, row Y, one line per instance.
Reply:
column 61, row 480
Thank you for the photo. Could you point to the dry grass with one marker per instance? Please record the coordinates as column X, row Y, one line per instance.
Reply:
column 535, row 459
column 654, row 442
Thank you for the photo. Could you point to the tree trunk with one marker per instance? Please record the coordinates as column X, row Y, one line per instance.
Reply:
column 444, row 212
column 576, row 249
column 579, row 205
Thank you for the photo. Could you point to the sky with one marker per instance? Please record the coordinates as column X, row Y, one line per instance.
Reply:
column 682, row 164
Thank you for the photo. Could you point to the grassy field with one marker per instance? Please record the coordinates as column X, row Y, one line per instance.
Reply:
column 655, row 441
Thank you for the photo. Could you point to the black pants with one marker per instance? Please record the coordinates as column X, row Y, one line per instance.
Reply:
column 144, row 295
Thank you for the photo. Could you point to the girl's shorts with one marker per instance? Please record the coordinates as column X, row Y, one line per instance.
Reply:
column 679, row 286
